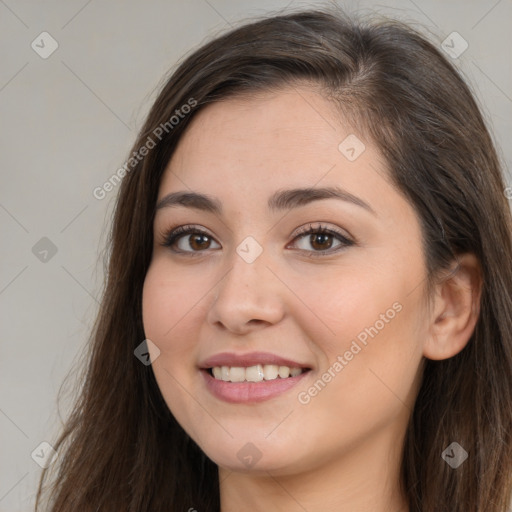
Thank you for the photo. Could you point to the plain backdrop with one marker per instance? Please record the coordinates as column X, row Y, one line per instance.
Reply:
column 68, row 121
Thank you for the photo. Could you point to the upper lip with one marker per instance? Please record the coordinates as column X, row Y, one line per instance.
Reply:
column 249, row 359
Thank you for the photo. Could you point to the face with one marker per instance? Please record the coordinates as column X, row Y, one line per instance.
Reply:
column 289, row 324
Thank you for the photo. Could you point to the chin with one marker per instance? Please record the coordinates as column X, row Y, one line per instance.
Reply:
column 255, row 454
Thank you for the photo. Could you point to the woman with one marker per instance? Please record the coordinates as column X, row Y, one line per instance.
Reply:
column 309, row 296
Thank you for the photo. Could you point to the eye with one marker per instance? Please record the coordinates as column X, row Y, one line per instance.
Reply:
column 188, row 239
column 322, row 240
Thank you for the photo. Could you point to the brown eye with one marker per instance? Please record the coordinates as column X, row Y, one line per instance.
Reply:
column 198, row 241
column 320, row 240
column 189, row 239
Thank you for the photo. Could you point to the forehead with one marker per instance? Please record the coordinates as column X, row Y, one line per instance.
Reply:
column 294, row 133
column 243, row 149
column 266, row 123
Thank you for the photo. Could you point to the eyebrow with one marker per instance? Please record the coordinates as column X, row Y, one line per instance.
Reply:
column 280, row 200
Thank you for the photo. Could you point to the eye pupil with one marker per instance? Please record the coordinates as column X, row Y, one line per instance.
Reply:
column 321, row 239
column 199, row 241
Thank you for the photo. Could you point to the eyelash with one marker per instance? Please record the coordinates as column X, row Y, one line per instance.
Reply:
column 171, row 236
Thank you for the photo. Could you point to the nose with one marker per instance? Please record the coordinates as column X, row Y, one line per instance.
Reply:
column 248, row 297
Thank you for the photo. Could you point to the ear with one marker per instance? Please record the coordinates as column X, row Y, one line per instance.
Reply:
column 456, row 309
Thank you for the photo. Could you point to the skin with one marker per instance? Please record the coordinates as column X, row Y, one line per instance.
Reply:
column 341, row 450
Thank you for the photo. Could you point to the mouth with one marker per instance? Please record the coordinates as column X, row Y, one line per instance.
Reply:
column 250, row 378
column 255, row 373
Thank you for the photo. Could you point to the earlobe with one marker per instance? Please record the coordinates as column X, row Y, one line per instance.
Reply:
column 455, row 310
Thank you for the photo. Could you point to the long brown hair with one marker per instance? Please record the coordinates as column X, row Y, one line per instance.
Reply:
column 121, row 448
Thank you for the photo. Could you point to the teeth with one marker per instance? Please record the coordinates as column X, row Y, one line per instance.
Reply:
column 254, row 373
column 284, row 372
column 236, row 374
column 270, row 371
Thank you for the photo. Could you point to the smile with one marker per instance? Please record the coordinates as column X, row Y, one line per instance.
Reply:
column 255, row 373
column 251, row 377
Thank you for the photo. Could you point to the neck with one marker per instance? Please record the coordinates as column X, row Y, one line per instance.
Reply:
column 366, row 478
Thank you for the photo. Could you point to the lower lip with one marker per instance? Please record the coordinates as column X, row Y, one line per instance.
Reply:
column 249, row 392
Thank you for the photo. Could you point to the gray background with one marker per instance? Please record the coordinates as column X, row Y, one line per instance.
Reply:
column 68, row 122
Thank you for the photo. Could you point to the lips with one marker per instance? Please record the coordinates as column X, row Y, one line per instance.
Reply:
column 239, row 385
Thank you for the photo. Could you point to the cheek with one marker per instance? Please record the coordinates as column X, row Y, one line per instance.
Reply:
column 158, row 303
column 372, row 331
column 348, row 304
column 171, row 307
column 170, row 302
column 363, row 387
column 170, row 317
